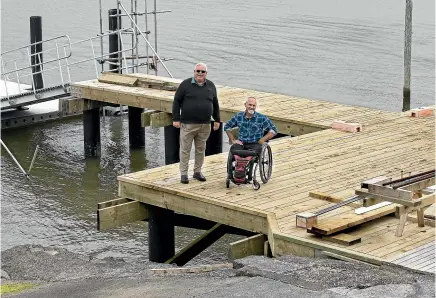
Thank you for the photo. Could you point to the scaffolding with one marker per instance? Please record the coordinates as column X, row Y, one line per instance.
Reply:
column 58, row 62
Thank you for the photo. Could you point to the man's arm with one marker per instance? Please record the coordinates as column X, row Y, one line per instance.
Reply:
column 272, row 131
column 232, row 123
column 216, row 107
column 177, row 103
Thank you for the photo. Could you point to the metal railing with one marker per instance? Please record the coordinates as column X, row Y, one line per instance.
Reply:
column 61, row 60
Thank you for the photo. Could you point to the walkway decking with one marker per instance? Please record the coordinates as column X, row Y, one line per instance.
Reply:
column 320, row 159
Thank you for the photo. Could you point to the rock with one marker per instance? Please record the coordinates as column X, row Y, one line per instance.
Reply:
column 51, row 252
column 4, row 274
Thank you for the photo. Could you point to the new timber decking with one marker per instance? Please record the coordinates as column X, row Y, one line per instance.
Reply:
column 319, row 159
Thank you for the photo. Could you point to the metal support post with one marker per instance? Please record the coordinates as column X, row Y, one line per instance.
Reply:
column 136, row 131
column 91, row 132
column 214, row 144
column 172, row 144
column 114, row 41
column 36, row 51
column 161, row 244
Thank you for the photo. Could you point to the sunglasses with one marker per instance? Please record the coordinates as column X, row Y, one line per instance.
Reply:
column 200, row 71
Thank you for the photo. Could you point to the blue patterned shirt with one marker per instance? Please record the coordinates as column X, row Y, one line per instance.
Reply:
column 251, row 130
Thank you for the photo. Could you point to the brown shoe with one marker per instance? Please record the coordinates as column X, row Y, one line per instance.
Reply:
column 199, row 177
column 184, row 179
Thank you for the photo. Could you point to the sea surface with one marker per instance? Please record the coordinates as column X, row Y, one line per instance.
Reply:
column 348, row 52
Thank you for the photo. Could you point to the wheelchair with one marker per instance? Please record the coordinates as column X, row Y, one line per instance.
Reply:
column 242, row 166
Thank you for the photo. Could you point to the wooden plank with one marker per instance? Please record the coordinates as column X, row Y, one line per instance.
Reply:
column 112, row 203
column 160, row 119
column 363, row 210
column 336, row 224
column 118, row 79
column 343, row 258
column 247, row 247
column 217, row 211
column 145, row 117
column 344, row 239
column 389, row 192
column 267, row 250
column 78, row 105
column 409, row 203
column 198, row 245
column 325, row 247
column 118, row 215
column 196, row 269
column 329, row 198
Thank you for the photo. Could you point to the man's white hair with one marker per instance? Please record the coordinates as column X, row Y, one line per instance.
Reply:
column 200, row 64
column 257, row 101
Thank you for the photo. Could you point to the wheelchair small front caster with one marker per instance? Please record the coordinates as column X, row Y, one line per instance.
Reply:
column 228, row 183
column 256, row 185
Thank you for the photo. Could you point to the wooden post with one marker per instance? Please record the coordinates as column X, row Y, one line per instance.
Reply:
column 36, row 51
column 407, row 55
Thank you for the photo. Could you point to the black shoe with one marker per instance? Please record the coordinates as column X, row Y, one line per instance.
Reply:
column 199, row 177
column 184, row 179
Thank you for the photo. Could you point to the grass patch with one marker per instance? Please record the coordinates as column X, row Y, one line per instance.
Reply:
column 15, row 287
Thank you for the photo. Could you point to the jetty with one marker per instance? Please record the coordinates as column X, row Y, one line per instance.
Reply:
column 327, row 154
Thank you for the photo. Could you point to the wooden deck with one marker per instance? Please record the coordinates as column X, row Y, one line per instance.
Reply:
column 320, row 159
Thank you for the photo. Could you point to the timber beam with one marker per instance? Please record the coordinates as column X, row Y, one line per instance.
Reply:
column 78, row 105
column 138, row 97
column 198, row 245
column 115, row 213
column 254, row 245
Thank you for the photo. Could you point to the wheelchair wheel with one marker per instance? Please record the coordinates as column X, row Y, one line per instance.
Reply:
column 265, row 163
column 229, row 166
column 256, row 185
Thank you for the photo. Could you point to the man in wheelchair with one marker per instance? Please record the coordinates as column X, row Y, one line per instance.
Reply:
column 251, row 147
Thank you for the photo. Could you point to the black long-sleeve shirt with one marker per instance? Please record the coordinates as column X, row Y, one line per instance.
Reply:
column 196, row 104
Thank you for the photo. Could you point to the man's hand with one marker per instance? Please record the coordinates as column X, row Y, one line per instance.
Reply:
column 176, row 124
column 237, row 142
column 216, row 125
column 261, row 141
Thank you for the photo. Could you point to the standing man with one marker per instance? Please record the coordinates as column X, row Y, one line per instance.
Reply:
column 252, row 127
column 195, row 102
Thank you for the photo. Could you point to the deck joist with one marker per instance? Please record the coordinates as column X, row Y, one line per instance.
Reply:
column 319, row 159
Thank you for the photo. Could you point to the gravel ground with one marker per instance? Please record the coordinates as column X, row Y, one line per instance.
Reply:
column 61, row 273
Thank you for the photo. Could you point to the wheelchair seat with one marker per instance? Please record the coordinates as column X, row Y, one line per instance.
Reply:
column 245, row 153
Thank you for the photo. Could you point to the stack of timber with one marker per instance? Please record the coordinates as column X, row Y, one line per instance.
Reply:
column 318, row 160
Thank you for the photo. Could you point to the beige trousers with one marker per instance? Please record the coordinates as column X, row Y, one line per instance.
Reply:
column 199, row 133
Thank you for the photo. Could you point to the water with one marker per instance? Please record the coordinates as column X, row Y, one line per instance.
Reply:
column 341, row 51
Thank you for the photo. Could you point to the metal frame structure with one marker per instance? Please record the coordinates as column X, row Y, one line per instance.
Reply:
column 62, row 63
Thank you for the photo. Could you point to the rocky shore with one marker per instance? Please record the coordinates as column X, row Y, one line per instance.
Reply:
column 55, row 272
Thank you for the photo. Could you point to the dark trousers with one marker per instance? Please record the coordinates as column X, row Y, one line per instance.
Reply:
column 247, row 146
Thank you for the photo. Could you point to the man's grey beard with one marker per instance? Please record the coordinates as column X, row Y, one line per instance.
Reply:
column 251, row 112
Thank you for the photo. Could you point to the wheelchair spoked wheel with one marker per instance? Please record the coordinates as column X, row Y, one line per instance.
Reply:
column 229, row 169
column 256, row 184
column 266, row 163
